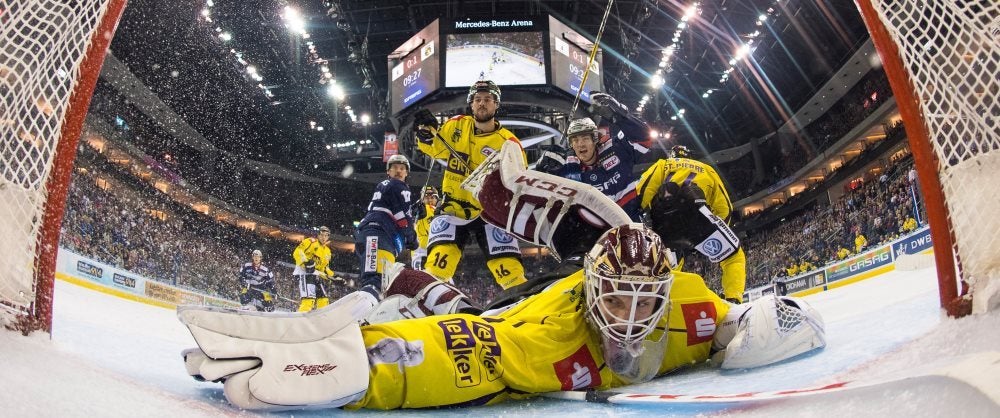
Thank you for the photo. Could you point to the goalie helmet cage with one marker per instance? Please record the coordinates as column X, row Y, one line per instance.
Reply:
column 51, row 53
column 942, row 59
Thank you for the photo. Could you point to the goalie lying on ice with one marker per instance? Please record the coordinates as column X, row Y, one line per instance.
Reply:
column 625, row 318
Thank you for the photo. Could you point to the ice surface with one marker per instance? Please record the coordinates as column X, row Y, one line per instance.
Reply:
column 113, row 357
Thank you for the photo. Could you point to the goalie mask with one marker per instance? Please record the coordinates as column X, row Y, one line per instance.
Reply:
column 627, row 283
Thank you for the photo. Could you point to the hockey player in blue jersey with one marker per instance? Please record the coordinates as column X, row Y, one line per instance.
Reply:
column 387, row 228
column 603, row 162
column 256, row 284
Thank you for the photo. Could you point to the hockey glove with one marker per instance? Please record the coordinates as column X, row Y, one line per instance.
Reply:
column 605, row 106
column 674, row 215
column 552, row 159
column 425, row 125
column 314, row 359
column 309, row 266
column 410, row 238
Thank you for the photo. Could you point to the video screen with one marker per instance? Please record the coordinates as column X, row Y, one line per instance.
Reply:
column 509, row 58
column 569, row 54
column 414, row 69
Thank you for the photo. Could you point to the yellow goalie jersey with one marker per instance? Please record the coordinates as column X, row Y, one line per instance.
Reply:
column 471, row 149
column 542, row 344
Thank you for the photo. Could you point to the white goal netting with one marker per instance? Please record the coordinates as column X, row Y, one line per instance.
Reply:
column 42, row 45
column 951, row 53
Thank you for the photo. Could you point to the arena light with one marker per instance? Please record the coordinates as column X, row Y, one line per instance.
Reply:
column 294, row 21
column 335, row 91
column 656, row 81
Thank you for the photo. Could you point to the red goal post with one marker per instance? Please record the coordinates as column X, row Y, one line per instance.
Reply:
column 51, row 53
column 942, row 59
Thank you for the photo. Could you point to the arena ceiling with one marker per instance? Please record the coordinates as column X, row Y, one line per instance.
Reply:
column 194, row 55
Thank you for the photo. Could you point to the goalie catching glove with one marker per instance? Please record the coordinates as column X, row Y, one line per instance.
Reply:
column 277, row 362
column 766, row 331
column 425, row 125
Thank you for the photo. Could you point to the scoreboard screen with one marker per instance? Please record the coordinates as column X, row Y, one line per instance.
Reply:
column 415, row 69
column 569, row 53
column 506, row 58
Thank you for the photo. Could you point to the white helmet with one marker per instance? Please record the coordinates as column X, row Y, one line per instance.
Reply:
column 397, row 159
column 627, row 283
column 577, row 126
column 257, row 253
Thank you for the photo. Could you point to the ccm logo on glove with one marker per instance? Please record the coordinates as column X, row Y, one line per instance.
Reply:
column 311, row 369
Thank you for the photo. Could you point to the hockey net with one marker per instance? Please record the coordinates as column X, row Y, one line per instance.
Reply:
column 943, row 62
column 50, row 56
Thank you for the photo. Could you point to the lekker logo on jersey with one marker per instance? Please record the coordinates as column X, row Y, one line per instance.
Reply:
column 460, row 341
column 577, row 371
column 699, row 321
column 310, row 369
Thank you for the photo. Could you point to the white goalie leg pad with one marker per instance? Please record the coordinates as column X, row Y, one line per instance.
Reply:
column 203, row 368
column 417, row 294
column 293, row 360
column 774, row 329
column 530, row 204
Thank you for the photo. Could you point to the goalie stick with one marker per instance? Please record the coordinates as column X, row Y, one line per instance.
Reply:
column 975, row 371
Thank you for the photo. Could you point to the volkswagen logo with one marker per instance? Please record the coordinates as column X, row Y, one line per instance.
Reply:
column 438, row 225
column 502, row 237
column 712, row 246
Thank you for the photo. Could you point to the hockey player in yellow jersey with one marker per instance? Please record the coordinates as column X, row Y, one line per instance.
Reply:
column 680, row 178
column 465, row 142
column 626, row 317
column 423, row 213
column 312, row 260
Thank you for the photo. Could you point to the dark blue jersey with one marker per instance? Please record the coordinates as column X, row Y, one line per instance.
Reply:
column 612, row 174
column 390, row 208
column 260, row 278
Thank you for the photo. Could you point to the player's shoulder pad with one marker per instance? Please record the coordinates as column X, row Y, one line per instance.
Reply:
column 247, row 264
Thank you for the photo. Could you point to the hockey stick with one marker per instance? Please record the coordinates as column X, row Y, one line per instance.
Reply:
column 590, row 61
column 975, row 371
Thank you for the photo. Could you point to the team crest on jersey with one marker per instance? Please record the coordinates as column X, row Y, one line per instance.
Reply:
column 578, row 371
column 610, row 163
column 699, row 321
column 487, row 151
